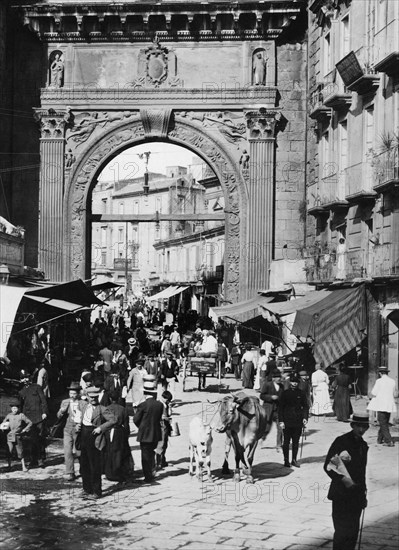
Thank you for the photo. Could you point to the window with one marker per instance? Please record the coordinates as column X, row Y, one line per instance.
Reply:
column 120, row 234
column 104, row 236
column 104, row 206
column 345, row 37
column 325, row 153
column 121, row 208
column 327, row 53
column 158, row 205
column 103, row 258
column 136, row 207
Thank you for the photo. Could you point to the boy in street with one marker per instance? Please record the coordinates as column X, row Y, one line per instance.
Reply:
column 18, row 424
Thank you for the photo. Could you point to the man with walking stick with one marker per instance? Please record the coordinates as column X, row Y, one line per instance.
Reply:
column 346, row 465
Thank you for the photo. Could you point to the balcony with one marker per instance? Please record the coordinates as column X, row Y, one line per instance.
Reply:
column 386, row 171
column 366, row 84
column 318, row 110
column 12, row 251
column 120, row 264
column 389, row 65
column 359, row 183
column 211, row 276
column 332, row 191
column 327, row 265
column 339, row 101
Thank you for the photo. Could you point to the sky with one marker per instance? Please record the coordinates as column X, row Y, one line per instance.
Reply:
column 128, row 165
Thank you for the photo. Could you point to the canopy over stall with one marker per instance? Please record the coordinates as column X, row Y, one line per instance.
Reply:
column 64, row 298
column 335, row 319
column 167, row 293
column 241, row 311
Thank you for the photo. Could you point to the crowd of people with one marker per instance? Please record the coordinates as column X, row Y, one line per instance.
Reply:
column 126, row 365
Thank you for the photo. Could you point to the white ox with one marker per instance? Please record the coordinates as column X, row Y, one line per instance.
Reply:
column 200, row 446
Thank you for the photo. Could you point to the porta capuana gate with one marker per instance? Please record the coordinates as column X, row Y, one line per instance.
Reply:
column 211, row 89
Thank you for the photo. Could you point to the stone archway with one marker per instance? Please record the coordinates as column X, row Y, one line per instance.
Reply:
column 150, row 126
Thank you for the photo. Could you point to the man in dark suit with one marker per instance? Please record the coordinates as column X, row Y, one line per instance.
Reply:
column 348, row 492
column 96, row 419
column 169, row 371
column 113, row 383
column 293, row 413
column 34, row 406
column 270, row 393
column 148, row 420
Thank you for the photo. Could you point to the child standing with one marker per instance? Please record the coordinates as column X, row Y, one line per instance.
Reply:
column 18, row 424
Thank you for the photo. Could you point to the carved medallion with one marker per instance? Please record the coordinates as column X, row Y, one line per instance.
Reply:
column 157, row 63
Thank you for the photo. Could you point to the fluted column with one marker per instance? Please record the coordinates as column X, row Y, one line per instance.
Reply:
column 52, row 151
column 260, row 229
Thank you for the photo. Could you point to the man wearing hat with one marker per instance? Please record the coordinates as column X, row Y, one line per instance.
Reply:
column 305, row 386
column 148, row 420
column 383, row 402
column 169, row 371
column 95, row 420
column 34, row 406
column 270, row 393
column 345, row 464
column 132, row 351
column 293, row 413
column 71, row 411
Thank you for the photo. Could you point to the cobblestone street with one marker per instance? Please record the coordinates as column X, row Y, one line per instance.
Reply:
column 285, row 508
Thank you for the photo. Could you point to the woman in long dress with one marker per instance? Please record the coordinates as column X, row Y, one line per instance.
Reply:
column 342, row 403
column 248, row 368
column 321, row 397
column 118, row 461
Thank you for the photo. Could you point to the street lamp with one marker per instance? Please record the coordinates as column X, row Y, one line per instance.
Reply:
column 4, row 274
column 146, row 186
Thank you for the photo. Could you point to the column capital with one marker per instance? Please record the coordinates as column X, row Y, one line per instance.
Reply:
column 261, row 124
column 52, row 122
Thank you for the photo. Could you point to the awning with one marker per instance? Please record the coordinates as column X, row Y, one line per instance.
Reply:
column 167, row 293
column 59, row 304
column 391, row 312
column 75, row 291
column 291, row 306
column 249, row 308
column 337, row 323
column 10, row 298
column 68, row 297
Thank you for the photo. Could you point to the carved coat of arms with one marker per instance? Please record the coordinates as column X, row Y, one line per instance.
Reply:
column 157, row 63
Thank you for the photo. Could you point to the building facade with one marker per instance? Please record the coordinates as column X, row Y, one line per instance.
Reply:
column 352, row 231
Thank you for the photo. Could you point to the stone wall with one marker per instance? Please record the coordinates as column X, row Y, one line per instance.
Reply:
column 291, row 152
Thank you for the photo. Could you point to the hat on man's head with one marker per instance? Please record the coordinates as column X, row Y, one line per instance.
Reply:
column 14, row 403
column 150, row 385
column 93, row 391
column 132, row 341
column 287, row 368
column 383, row 368
column 74, row 386
column 276, row 373
column 294, row 378
column 303, row 373
column 360, row 419
column 169, row 353
column 140, row 359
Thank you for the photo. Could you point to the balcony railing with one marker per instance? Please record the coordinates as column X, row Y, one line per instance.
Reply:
column 331, row 188
column 120, row 264
column 380, row 261
column 386, row 167
column 12, row 252
column 359, row 181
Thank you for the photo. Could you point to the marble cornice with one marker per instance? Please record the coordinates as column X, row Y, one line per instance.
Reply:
column 177, row 98
column 69, row 21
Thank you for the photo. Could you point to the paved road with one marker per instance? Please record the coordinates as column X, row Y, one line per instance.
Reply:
column 284, row 509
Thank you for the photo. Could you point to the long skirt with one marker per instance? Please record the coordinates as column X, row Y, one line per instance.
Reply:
column 248, row 372
column 118, row 461
column 342, row 404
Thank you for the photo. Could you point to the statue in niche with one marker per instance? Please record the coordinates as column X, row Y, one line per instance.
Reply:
column 56, row 70
column 259, row 63
column 244, row 160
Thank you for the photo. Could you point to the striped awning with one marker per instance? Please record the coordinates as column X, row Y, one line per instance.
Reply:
column 248, row 308
column 336, row 323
